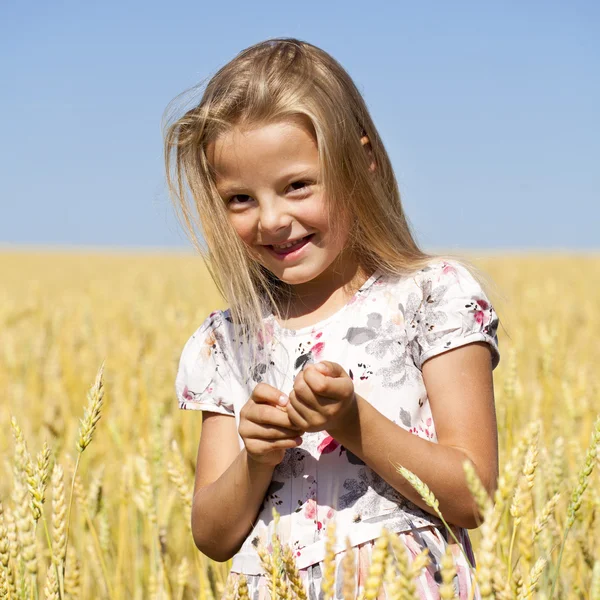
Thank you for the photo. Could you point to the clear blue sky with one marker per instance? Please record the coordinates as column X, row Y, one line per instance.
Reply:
column 489, row 110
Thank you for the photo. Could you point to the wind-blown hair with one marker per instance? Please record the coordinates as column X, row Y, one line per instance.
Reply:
column 275, row 80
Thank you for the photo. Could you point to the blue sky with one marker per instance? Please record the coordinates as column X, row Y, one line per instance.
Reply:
column 489, row 112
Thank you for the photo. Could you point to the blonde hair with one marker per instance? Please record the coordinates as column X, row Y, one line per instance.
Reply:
column 274, row 80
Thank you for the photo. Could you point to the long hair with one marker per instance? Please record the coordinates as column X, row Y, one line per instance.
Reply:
column 274, row 80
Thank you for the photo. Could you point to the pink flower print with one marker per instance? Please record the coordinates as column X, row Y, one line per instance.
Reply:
column 330, row 513
column 480, row 315
column 310, row 510
column 318, row 335
column 448, row 269
column 328, row 445
column 317, row 349
column 269, row 335
column 186, row 393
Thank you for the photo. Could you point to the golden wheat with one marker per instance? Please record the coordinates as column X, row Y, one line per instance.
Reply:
column 119, row 520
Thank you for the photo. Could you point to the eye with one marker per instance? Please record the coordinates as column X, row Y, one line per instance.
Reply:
column 300, row 185
column 239, row 199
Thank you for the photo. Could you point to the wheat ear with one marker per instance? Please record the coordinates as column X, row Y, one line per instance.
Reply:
column 183, row 573
column 5, row 551
column 91, row 416
column 431, row 501
column 378, row 557
column 328, row 580
column 293, row 574
column 349, row 569
column 447, row 589
column 242, row 588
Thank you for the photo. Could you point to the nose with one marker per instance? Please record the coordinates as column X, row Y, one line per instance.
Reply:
column 274, row 216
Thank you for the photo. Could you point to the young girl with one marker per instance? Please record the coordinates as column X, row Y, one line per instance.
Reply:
column 346, row 350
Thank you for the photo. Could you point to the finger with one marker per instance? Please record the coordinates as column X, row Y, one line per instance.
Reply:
column 262, row 414
column 327, row 390
column 264, row 393
column 303, row 391
column 316, row 381
column 267, row 432
column 309, row 418
column 331, row 369
column 262, row 447
column 295, row 417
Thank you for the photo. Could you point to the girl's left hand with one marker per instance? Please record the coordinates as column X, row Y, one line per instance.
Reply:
column 323, row 396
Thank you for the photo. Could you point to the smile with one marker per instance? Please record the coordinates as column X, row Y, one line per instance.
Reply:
column 290, row 248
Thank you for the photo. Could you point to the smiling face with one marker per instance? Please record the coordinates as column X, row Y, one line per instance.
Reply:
column 270, row 180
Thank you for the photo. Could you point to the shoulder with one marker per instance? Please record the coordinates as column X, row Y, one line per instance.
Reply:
column 445, row 272
column 447, row 307
column 204, row 370
column 207, row 337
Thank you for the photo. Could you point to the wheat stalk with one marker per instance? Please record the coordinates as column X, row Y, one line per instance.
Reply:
column 577, row 495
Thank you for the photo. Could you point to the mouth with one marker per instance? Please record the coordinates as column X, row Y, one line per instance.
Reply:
column 290, row 247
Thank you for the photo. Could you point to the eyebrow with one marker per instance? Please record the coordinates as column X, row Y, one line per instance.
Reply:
column 229, row 189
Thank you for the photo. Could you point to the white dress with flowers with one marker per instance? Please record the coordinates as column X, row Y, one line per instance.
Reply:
column 381, row 337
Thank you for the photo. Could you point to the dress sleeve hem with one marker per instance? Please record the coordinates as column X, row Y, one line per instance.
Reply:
column 463, row 341
column 211, row 405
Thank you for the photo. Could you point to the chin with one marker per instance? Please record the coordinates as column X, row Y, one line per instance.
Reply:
column 296, row 276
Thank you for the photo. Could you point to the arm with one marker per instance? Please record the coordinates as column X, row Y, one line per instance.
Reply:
column 230, row 484
column 459, row 385
column 228, row 490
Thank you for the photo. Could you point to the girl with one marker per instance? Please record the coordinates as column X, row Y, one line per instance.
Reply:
column 346, row 350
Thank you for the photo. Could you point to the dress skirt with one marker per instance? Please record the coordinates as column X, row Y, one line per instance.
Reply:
column 427, row 584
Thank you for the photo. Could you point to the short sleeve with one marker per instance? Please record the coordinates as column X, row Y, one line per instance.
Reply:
column 202, row 381
column 449, row 310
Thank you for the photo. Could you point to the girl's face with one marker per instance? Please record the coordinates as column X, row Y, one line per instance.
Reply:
column 269, row 178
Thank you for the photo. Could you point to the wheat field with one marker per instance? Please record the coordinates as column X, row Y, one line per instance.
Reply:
column 89, row 345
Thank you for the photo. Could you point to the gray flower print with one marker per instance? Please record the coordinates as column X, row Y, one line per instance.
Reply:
column 385, row 340
column 367, row 492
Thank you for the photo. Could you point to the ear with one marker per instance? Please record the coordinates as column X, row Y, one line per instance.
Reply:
column 364, row 140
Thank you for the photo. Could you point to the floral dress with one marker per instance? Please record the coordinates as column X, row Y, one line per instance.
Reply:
column 381, row 337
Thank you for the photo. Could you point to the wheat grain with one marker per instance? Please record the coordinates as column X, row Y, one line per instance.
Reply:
column 178, row 476
column 378, row 556
column 92, row 412
column 59, row 511
column 242, row 591
column 528, row 590
column 407, row 571
column 72, row 575
column 349, row 569
column 447, row 589
column 328, row 579
column 292, row 573
column 542, row 519
column 51, row 587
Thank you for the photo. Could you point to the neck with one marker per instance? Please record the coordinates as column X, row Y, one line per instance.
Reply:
column 336, row 285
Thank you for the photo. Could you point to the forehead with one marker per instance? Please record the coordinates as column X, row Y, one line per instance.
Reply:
column 260, row 147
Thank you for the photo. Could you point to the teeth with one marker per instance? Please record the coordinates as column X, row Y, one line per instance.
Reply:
column 288, row 245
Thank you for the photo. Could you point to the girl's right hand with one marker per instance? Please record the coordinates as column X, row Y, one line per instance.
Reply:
column 265, row 426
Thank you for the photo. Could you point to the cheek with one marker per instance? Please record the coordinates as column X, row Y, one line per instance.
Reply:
column 243, row 226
